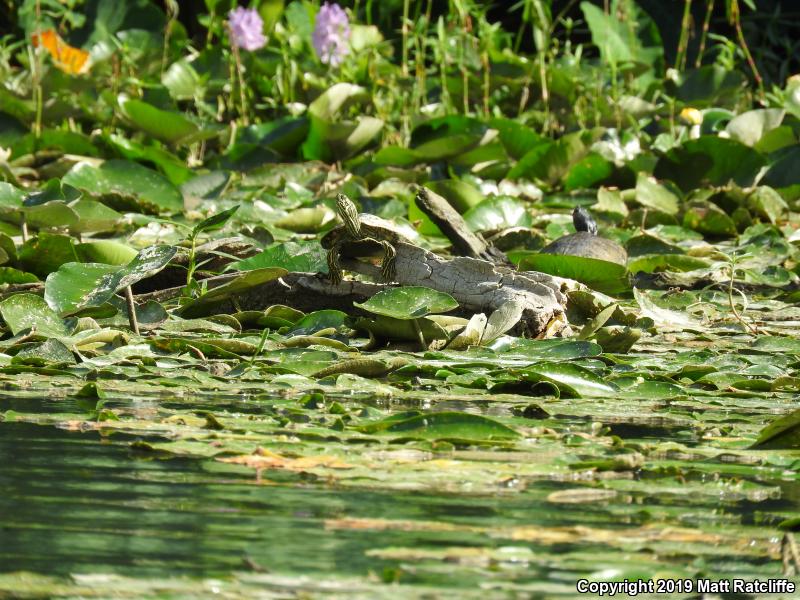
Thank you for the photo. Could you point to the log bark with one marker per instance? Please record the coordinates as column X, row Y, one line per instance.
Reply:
column 465, row 242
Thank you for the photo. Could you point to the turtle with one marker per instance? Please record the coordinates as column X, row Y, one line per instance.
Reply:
column 585, row 241
column 363, row 233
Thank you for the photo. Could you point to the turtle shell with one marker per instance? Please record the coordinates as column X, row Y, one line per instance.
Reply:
column 588, row 245
column 372, row 226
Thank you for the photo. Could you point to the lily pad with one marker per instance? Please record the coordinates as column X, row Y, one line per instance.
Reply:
column 410, row 302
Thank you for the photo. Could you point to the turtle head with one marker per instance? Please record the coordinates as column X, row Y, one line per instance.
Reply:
column 349, row 215
column 583, row 220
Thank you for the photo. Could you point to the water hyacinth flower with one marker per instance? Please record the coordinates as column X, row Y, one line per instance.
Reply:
column 331, row 34
column 247, row 29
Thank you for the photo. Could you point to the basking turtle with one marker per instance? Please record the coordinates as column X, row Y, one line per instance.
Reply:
column 585, row 242
column 362, row 234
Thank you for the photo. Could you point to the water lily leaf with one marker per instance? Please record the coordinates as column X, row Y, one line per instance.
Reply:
column 46, row 253
column 145, row 188
column 782, row 174
column 651, row 263
column 330, row 103
column 310, row 219
column 571, row 379
column 306, row 257
column 173, row 168
column 165, row 125
column 459, row 194
column 710, row 160
column 601, row 275
column 501, row 320
column 147, row 263
column 651, row 194
column 67, row 288
column 50, row 214
column 589, row 171
column 709, row 85
column 498, row 212
column 205, row 304
column 11, row 198
column 410, row 302
column 708, row 218
column 443, row 425
column 50, row 352
column 29, row 311
column 749, row 127
column 783, row 432
column 94, row 216
column 767, row 204
column 318, row 320
column 108, row 252
column 389, row 328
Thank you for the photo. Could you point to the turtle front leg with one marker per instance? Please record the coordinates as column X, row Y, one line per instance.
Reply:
column 334, row 268
column 388, row 266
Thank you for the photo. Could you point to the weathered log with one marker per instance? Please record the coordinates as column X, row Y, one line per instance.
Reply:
column 465, row 242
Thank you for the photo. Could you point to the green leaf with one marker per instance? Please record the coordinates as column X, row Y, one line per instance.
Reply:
column 749, row 127
column 205, row 304
column 601, row 275
column 130, row 182
column 166, row 125
column 306, row 257
column 443, row 425
column 29, row 311
column 651, row 194
column 94, row 216
column 708, row 218
column 408, row 303
column 782, row 433
column 709, row 85
column 710, row 161
column 147, row 263
column 65, row 290
column 571, row 379
column 107, row 252
column 498, row 212
column 46, row 252
column 214, row 222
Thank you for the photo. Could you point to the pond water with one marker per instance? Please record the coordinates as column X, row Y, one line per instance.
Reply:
column 80, row 504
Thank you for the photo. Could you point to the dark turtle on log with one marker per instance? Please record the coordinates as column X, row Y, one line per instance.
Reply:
column 585, row 242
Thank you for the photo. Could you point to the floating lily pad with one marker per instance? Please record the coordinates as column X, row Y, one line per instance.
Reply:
column 410, row 302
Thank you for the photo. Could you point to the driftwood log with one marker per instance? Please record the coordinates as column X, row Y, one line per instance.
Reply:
column 479, row 285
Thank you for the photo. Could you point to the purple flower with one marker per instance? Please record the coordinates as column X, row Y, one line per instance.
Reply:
column 331, row 34
column 247, row 28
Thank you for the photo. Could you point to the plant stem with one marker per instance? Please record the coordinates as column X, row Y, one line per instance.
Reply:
column 704, row 35
column 131, row 305
column 406, row 8
column 683, row 42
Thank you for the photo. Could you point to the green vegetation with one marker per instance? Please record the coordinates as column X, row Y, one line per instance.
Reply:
column 179, row 421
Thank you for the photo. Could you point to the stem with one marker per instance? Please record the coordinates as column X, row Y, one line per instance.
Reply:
column 404, row 66
column 36, row 64
column 423, row 344
column 737, row 22
column 131, row 310
column 237, row 60
column 732, row 304
column 704, row 35
column 683, row 42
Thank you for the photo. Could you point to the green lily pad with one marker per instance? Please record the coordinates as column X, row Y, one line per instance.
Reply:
column 601, row 275
column 443, row 425
column 410, row 302
column 307, row 257
column 29, row 311
column 124, row 182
